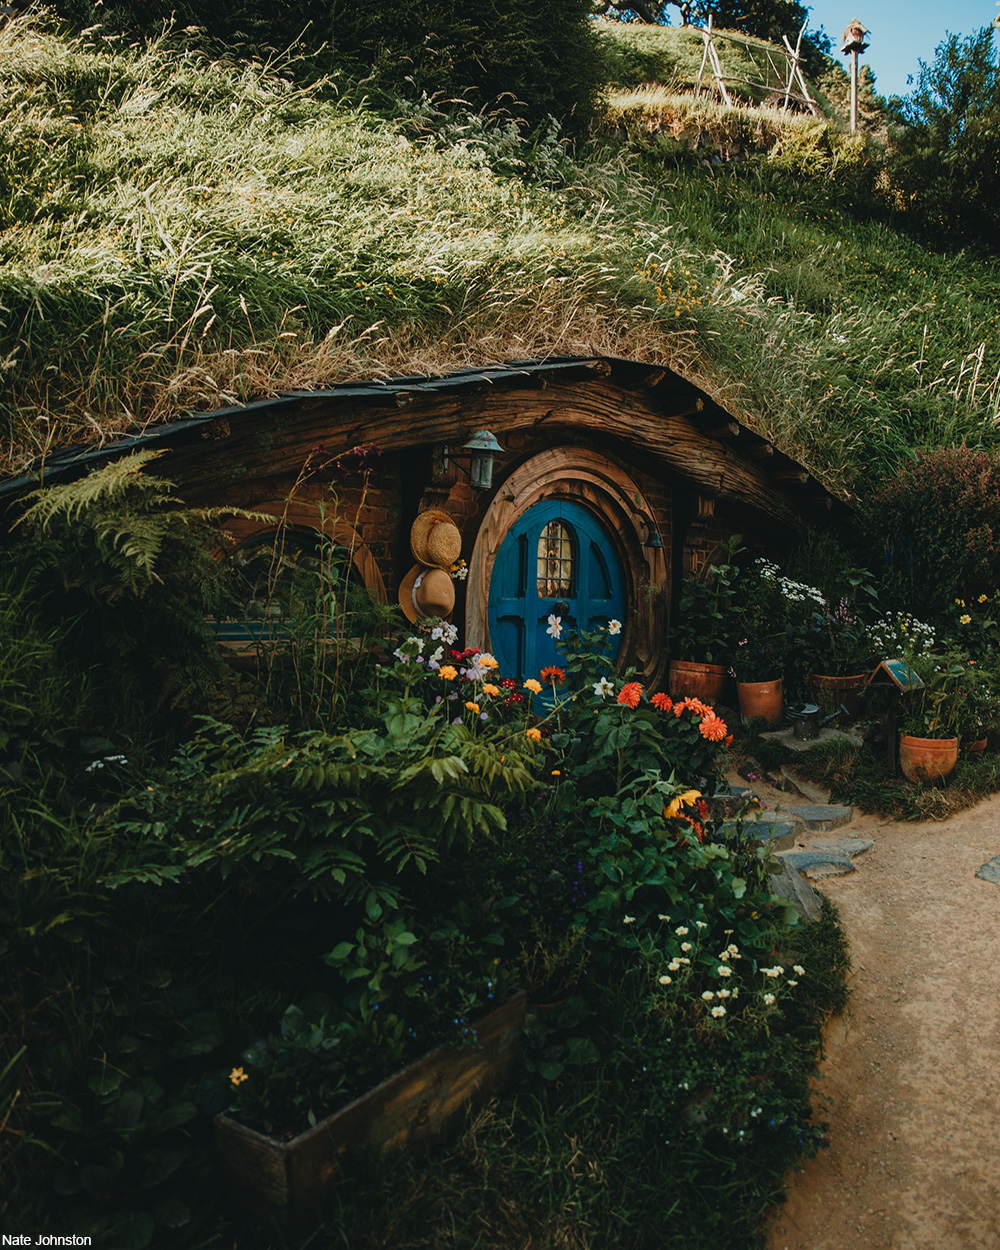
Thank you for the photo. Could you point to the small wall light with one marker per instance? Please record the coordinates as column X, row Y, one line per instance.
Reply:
column 649, row 535
column 482, row 448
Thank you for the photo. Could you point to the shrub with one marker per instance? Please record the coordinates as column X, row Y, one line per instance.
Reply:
column 936, row 525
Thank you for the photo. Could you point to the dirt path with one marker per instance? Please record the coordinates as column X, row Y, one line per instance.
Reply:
column 913, row 1069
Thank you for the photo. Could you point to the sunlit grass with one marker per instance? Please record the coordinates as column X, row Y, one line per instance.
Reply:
column 180, row 233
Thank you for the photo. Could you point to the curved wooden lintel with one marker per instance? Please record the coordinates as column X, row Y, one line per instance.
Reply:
column 655, row 425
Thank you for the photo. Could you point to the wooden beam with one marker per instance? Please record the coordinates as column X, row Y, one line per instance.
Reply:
column 756, row 451
column 721, row 429
column 664, row 441
column 797, row 477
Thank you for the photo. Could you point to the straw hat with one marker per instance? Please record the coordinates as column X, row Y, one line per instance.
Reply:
column 426, row 591
column 435, row 539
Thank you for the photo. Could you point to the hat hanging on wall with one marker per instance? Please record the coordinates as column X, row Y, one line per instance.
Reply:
column 426, row 591
column 435, row 539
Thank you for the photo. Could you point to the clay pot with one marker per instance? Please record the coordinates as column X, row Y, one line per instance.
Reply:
column 697, row 681
column 841, row 690
column 927, row 759
column 974, row 748
column 761, row 699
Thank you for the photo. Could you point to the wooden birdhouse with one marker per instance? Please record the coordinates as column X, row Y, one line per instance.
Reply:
column 854, row 38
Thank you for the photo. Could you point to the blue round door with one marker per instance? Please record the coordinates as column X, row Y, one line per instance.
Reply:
column 557, row 560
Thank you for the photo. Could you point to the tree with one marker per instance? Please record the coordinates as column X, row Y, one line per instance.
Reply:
column 946, row 157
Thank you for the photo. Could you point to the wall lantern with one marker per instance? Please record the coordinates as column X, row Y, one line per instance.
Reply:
column 482, row 447
column 649, row 535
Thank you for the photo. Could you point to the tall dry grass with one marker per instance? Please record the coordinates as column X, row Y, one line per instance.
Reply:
column 180, row 232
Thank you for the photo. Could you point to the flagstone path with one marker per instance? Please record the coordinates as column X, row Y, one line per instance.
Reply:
column 911, row 1077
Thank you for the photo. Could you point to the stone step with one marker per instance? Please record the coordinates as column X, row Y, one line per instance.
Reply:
column 778, row 834
column 808, row 789
column 842, row 846
column 990, row 871
column 731, row 801
column 787, row 883
column 818, row 864
column 822, row 817
column 787, row 738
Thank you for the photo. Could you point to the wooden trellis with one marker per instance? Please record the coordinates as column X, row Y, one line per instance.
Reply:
column 780, row 73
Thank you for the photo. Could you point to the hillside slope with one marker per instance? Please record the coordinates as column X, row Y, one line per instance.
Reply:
column 178, row 232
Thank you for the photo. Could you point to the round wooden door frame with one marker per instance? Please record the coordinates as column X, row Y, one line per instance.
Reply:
column 590, row 479
column 306, row 514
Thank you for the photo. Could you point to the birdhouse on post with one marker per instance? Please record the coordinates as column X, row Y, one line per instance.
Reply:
column 853, row 41
column 854, row 38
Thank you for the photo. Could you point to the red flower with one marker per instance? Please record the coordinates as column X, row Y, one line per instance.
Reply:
column 630, row 695
column 662, row 701
column 552, row 674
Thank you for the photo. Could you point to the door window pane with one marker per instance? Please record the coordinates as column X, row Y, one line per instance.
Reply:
column 555, row 561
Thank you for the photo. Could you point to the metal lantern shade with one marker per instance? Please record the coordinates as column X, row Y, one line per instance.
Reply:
column 483, row 447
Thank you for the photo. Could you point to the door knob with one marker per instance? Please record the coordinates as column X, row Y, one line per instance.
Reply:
column 560, row 608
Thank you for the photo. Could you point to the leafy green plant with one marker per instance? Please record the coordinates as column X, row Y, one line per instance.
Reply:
column 935, row 709
column 703, row 627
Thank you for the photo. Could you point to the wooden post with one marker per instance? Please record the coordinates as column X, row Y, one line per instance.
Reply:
column 707, row 36
column 854, row 91
column 854, row 41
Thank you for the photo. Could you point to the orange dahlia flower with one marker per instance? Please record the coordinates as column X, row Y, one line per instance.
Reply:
column 630, row 694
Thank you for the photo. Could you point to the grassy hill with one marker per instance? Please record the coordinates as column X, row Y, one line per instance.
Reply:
column 180, row 230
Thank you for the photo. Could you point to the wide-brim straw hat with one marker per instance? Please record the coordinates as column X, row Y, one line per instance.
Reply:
column 426, row 591
column 435, row 539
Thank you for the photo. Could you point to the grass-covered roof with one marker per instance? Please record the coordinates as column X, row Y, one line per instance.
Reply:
column 180, row 231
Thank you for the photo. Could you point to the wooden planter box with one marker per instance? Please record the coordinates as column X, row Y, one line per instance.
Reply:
column 415, row 1107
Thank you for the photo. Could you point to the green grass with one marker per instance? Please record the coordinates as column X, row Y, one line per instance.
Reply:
column 178, row 232
column 861, row 777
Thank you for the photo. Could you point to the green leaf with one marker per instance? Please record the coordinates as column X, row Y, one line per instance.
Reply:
column 179, row 1113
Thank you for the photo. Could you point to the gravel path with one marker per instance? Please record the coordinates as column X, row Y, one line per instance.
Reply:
column 912, row 1070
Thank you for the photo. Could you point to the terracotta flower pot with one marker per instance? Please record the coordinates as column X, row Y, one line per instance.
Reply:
column 761, row 699
column 697, row 681
column 927, row 759
column 974, row 748
column 842, row 690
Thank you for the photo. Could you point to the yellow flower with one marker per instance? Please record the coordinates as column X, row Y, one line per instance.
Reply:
column 447, row 673
column 473, row 707
column 238, row 1076
column 533, row 735
column 982, row 598
column 487, row 661
column 965, row 619
column 489, row 688
column 673, row 808
column 534, row 686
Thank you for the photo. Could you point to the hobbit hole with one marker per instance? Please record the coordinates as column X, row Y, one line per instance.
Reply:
column 599, row 456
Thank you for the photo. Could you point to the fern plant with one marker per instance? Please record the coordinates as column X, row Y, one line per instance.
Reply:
column 128, row 571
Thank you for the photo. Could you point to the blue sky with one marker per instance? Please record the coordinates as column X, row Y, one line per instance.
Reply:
column 901, row 33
